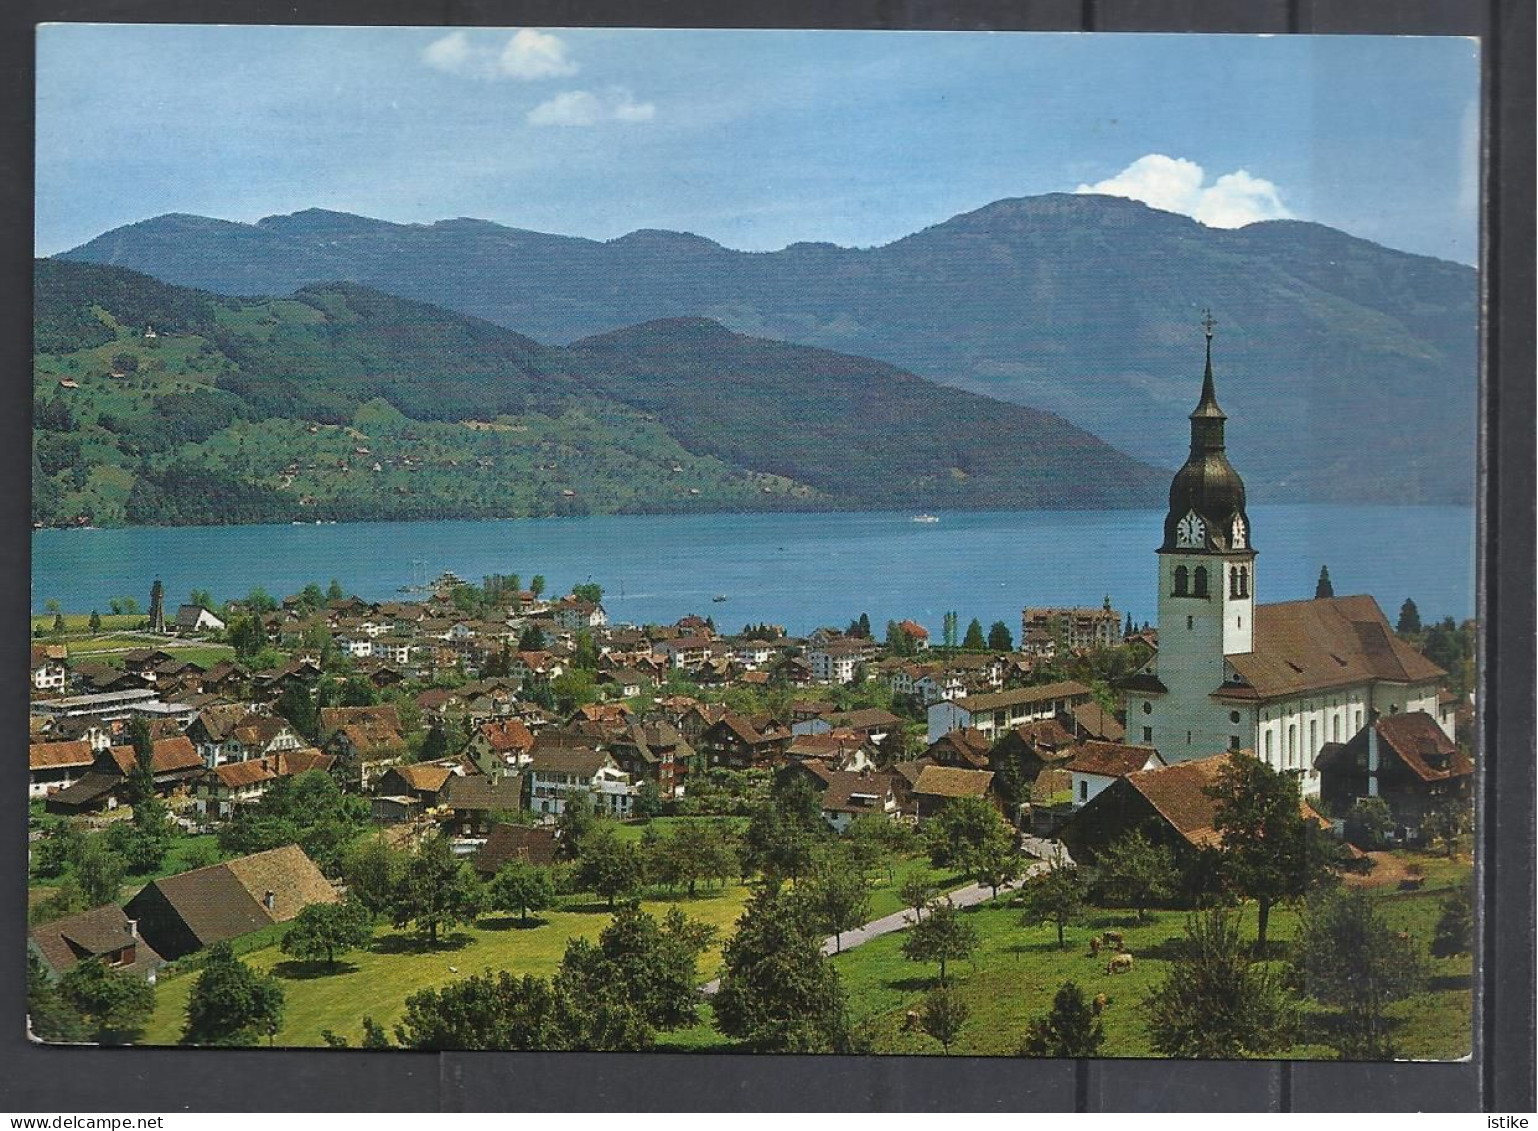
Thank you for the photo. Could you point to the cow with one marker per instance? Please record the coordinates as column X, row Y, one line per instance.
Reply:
column 1120, row 964
column 1113, row 938
column 1097, row 1006
column 1094, row 948
column 911, row 1022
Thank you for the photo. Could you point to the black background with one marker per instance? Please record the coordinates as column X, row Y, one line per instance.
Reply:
column 1500, row 1075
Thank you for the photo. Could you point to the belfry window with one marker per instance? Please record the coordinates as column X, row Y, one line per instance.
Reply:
column 1182, row 581
column 1199, row 582
column 1244, row 581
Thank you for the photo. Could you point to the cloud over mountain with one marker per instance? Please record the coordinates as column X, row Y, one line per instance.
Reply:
column 1178, row 185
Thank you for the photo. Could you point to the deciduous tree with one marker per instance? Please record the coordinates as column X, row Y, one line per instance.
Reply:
column 116, row 1003
column 945, row 935
column 434, row 889
column 1055, row 895
column 231, row 1004
column 1069, row 1028
column 520, row 887
column 835, row 899
column 943, row 1016
column 323, row 930
column 1133, row 871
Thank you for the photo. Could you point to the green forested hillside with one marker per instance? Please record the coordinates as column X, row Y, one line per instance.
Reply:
column 156, row 404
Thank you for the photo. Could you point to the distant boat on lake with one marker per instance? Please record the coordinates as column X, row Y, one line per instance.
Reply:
column 718, row 598
column 924, row 518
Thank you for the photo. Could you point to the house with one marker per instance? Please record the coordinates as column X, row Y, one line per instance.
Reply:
column 1027, row 752
column 873, row 723
column 573, row 614
column 104, row 934
column 850, row 794
column 1406, row 759
column 1091, row 720
column 652, row 752
column 219, row 792
column 423, row 781
column 474, row 801
column 915, row 632
column 837, row 660
column 365, row 741
column 557, row 773
column 735, row 742
column 966, row 749
column 1095, row 765
column 56, row 765
column 539, row 846
column 500, row 746
column 625, row 682
column 174, row 762
column 837, row 749
column 935, row 786
column 211, row 731
column 259, row 736
column 685, row 653
column 180, row 914
column 49, row 672
column 995, row 712
column 192, row 619
column 92, row 793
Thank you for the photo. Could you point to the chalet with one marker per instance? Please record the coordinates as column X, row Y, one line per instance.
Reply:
column 915, row 632
column 750, row 655
column 144, row 661
column 573, row 614
column 1095, row 765
column 838, row 749
column 652, row 752
column 1406, row 759
column 556, row 773
column 850, row 794
column 1091, row 720
column 180, row 914
column 735, row 742
column 49, row 672
column 966, row 749
column 507, row 843
column 365, row 749
column 104, row 934
column 996, row 712
column 93, row 792
column 56, row 765
column 219, row 792
column 474, row 801
column 211, row 731
column 936, row 786
column 424, row 781
column 499, row 746
column 193, row 619
column 258, row 736
column 625, row 682
column 872, row 723
column 174, row 762
column 1026, row 752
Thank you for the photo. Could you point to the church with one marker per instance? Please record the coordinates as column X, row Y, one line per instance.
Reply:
column 1281, row 680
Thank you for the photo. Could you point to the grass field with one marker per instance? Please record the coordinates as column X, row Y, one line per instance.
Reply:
column 1018, row 969
column 79, row 624
column 377, row 981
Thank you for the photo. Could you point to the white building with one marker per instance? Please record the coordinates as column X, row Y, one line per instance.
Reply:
column 1281, row 680
column 999, row 711
column 558, row 773
column 835, row 662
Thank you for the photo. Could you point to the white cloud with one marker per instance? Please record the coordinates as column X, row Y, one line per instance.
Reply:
column 1177, row 185
column 585, row 108
column 527, row 55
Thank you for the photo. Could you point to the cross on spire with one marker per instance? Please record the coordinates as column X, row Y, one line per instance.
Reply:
column 1208, row 323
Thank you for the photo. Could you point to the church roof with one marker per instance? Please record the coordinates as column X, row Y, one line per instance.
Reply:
column 1310, row 646
column 1207, row 483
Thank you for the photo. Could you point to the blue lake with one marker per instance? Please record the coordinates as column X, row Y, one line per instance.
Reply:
column 798, row 570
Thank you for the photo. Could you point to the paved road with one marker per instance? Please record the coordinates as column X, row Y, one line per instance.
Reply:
column 962, row 897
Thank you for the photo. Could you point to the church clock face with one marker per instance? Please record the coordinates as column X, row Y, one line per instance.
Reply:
column 1190, row 532
column 1239, row 533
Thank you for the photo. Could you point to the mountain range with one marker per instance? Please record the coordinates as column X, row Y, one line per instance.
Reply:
column 1349, row 370
column 161, row 404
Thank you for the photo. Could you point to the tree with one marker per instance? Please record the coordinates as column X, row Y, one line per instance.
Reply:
column 1055, row 895
column 500, row 1011
column 531, row 639
column 435, row 744
column 999, row 638
column 650, row 964
column 1269, row 852
column 1409, row 619
column 260, row 601
column 944, row 936
column 59, row 842
column 434, row 889
column 608, row 866
column 916, row 892
column 1346, row 956
column 996, row 861
column 322, row 930
column 1133, row 871
column 537, row 585
column 973, row 641
column 573, row 822
column 785, row 828
column 298, row 706
column 95, row 621
column 1455, row 928
column 778, row 992
column 835, row 899
column 203, row 599
column 943, row 1015
column 51, row 1017
column 246, row 635
column 117, row 1003
column 58, row 624
column 1445, row 823
column 589, row 591
column 1369, row 823
column 648, row 800
column 1070, row 1028
column 99, row 870
column 335, row 592
column 231, row 1004
column 960, row 830
column 697, row 851
column 522, row 887
column 1325, row 588
column 370, row 870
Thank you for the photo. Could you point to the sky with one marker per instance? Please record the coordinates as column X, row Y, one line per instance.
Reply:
column 756, row 139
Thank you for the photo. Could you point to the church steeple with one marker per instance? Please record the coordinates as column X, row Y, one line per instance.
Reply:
column 1207, row 496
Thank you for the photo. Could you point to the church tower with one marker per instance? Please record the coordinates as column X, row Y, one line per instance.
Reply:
column 1206, row 593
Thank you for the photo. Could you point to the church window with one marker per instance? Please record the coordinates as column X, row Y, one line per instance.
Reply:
column 1190, row 623
column 1243, row 580
column 1292, row 745
column 1334, row 728
column 1147, row 707
column 1181, row 581
column 1199, row 582
column 1269, row 751
column 1233, row 742
column 1233, row 716
column 1148, row 734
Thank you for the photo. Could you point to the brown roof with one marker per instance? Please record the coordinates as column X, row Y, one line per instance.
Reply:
column 224, row 901
column 1179, row 794
column 1304, row 646
column 1097, row 722
column 424, row 776
column 59, row 755
column 1145, row 682
column 583, row 761
column 1415, row 739
column 476, row 791
column 851, row 791
column 505, row 843
column 102, row 930
column 258, row 730
column 949, row 781
column 169, row 756
column 969, row 743
column 911, row 771
column 1063, row 689
column 220, row 721
column 871, row 718
column 508, row 736
column 1110, row 759
column 238, row 775
column 333, row 719
column 1048, row 784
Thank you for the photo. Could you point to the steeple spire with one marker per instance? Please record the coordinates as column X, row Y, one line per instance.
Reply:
column 1207, row 407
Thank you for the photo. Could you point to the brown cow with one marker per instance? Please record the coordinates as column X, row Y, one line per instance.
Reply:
column 1094, row 948
column 1097, row 1007
column 1113, row 938
column 1120, row 964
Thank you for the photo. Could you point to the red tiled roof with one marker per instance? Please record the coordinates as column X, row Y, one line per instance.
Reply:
column 1110, row 759
column 59, row 755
